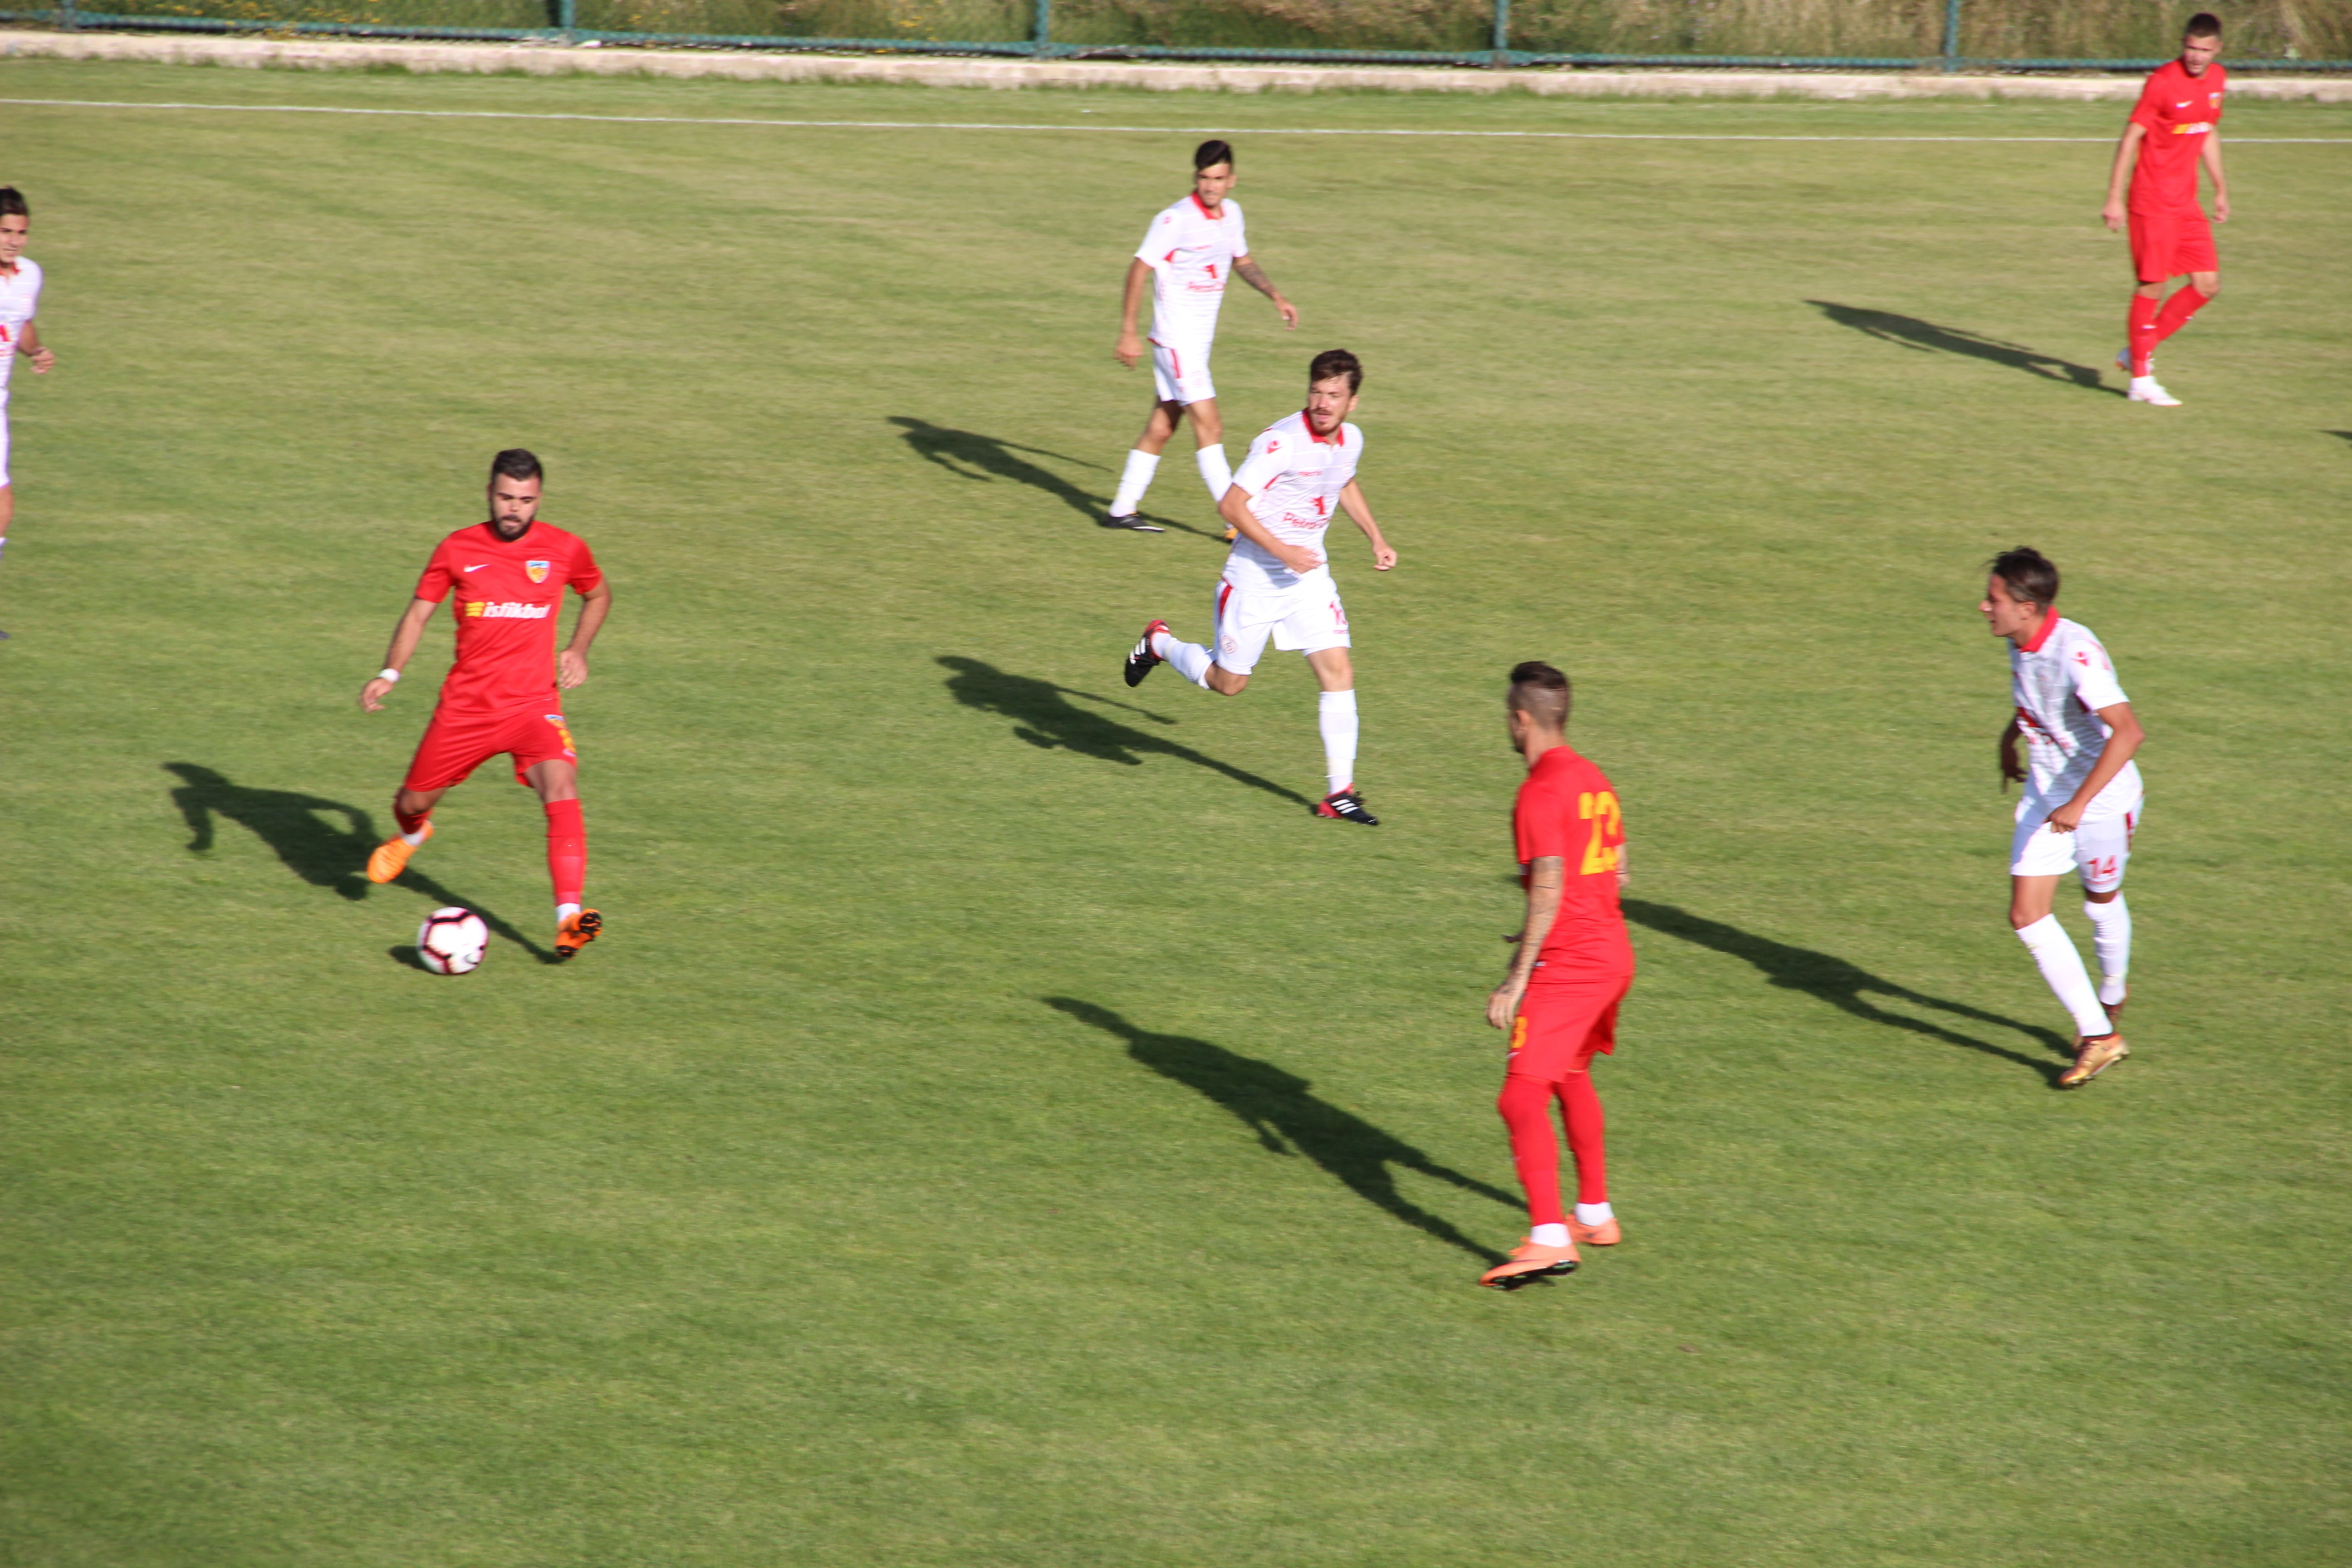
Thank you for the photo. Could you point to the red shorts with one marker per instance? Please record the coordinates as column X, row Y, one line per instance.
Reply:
column 455, row 744
column 1563, row 1026
column 2169, row 242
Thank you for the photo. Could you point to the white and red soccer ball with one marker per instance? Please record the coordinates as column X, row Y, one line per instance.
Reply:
column 452, row 940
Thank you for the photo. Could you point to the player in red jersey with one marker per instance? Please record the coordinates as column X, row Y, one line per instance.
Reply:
column 2175, row 130
column 504, row 693
column 1572, row 967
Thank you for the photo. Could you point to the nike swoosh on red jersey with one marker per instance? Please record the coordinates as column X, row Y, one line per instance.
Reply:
column 476, row 568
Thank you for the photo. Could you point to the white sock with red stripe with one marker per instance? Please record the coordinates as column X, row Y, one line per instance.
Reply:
column 1215, row 472
column 2111, row 939
column 1141, row 467
column 1188, row 660
column 1335, row 714
column 2062, row 966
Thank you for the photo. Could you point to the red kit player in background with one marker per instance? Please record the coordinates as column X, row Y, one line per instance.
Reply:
column 504, row 693
column 2176, row 128
column 1573, row 966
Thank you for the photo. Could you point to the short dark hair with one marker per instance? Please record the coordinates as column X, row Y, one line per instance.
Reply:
column 2204, row 25
column 1211, row 154
column 1541, row 693
column 514, row 463
column 1336, row 362
column 2030, row 576
column 12, row 203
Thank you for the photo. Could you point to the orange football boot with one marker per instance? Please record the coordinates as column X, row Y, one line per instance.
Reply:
column 1530, row 1261
column 390, row 857
column 576, row 932
column 1605, row 1233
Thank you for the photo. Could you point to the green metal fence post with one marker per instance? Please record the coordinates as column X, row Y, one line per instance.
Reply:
column 1951, row 34
column 1502, row 34
column 567, row 20
column 67, row 21
column 1041, row 41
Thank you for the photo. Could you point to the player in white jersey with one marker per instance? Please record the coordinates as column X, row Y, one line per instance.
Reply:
column 2082, row 801
column 1299, row 475
column 1186, row 255
column 20, row 296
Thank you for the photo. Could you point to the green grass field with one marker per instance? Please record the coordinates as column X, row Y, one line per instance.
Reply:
column 1000, row 1125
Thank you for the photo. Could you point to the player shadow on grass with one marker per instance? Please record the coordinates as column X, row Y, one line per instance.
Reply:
column 1048, row 719
column 985, row 457
column 1844, row 985
column 1276, row 1105
column 1912, row 332
column 323, row 855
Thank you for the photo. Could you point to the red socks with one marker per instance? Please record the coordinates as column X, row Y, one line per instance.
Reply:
column 567, row 850
column 2184, row 303
column 1585, row 1124
column 1526, row 1105
column 2140, row 332
column 410, row 821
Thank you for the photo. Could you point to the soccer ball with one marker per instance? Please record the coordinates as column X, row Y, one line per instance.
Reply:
column 452, row 940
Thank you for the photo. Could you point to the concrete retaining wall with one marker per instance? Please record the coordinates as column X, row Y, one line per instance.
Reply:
column 553, row 60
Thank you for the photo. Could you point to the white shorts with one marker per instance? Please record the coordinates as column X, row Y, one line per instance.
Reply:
column 2098, row 848
column 1306, row 618
column 1180, row 370
column 4, row 438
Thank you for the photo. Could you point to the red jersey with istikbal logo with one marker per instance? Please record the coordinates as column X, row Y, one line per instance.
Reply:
column 2180, row 113
column 509, row 595
column 1567, row 808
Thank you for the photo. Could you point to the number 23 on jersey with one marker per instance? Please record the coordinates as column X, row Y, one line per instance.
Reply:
column 1608, row 829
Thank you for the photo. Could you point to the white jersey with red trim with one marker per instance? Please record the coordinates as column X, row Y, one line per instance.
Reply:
column 20, row 296
column 2060, row 680
column 1294, row 478
column 1191, row 254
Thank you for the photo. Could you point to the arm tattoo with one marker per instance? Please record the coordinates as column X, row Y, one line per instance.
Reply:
column 1250, row 273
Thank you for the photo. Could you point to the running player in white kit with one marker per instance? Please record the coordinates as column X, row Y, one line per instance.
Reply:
column 20, row 296
column 2082, row 801
column 1188, row 254
column 1300, row 472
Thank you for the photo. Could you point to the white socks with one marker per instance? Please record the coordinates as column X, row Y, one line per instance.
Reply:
column 1336, row 712
column 1594, row 1213
column 2062, row 966
column 412, row 839
column 1141, row 467
column 2111, row 939
column 1214, row 472
column 1549, row 1235
column 1188, row 660
column 565, row 911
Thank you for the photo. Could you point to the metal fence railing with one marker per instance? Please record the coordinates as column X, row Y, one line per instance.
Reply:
column 1868, row 34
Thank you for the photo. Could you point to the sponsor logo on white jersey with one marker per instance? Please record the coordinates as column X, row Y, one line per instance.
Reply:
column 508, row 610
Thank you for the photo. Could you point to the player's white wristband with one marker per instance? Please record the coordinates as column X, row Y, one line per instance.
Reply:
column 391, row 675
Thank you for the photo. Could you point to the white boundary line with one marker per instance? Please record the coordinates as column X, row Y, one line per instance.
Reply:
column 1130, row 130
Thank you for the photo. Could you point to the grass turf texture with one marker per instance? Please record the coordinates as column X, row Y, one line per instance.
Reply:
column 1001, row 1126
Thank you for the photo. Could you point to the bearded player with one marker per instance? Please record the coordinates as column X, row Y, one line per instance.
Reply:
column 1186, row 257
column 1572, row 967
column 1300, row 474
column 2082, row 802
column 504, row 692
column 2175, row 131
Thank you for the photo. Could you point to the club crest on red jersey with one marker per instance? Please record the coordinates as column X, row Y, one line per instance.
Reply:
column 536, row 570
